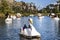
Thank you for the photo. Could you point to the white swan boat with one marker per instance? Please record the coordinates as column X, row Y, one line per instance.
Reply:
column 8, row 20
column 57, row 18
column 18, row 16
column 31, row 15
column 30, row 32
column 40, row 16
column 13, row 17
column 18, row 19
column 52, row 15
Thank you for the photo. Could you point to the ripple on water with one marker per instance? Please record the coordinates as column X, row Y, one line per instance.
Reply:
column 45, row 27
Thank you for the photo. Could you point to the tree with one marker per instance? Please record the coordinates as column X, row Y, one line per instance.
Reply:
column 5, row 6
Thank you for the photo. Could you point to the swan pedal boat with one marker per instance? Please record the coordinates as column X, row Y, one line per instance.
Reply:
column 41, row 17
column 13, row 17
column 8, row 20
column 56, row 18
column 29, row 33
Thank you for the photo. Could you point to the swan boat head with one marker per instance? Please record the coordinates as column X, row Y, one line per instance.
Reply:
column 30, row 20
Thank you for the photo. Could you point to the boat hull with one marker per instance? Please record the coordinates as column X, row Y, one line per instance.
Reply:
column 29, row 37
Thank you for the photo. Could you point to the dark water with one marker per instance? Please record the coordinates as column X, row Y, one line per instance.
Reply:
column 47, row 27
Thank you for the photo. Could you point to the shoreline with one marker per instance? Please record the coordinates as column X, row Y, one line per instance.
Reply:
column 2, row 15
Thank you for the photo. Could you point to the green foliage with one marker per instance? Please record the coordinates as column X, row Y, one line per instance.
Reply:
column 24, row 9
column 5, row 7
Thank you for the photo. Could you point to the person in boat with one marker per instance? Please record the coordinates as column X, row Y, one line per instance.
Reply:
column 24, row 27
column 9, row 16
column 29, row 27
column 6, row 15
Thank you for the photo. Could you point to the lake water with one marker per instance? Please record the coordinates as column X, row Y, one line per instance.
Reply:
column 47, row 27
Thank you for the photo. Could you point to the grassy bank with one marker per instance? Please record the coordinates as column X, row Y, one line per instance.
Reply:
column 27, row 14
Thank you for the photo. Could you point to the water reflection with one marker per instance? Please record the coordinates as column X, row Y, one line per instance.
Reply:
column 58, row 31
column 47, row 27
column 21, row 38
